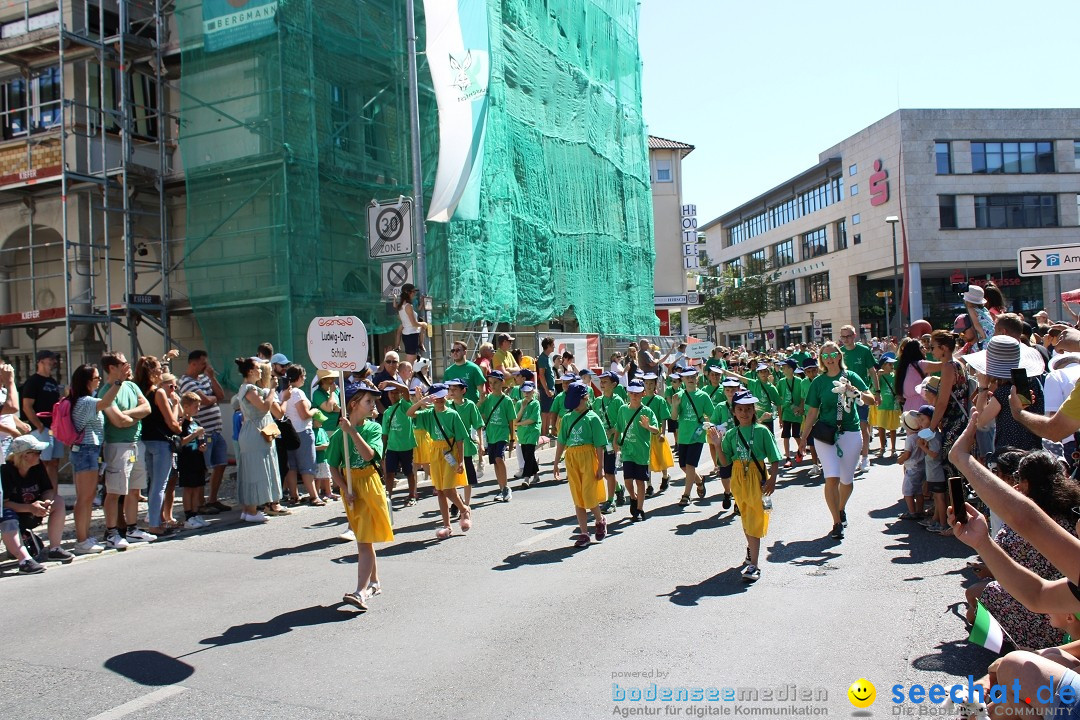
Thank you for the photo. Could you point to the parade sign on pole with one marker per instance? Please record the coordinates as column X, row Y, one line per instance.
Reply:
column 699, row 350
column 337, row 343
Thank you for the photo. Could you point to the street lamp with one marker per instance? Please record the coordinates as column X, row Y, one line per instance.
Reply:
column 886, row 294
column 892, row 220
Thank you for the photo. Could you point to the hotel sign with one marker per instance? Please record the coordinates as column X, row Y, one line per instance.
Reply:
column 232, row 22
column 689, row 237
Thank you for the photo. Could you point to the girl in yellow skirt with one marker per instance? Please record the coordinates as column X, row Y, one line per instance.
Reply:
column 885, row 416
column 422, row 452
column 745, row 451
column 448, row 436
column 363, row 492
column 660, row 457
column 583, row 438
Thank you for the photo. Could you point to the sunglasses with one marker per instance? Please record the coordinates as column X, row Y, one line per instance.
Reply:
column 392, row 362
column 830, row 356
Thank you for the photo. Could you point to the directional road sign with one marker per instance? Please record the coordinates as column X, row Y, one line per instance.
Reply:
column 1048, row 259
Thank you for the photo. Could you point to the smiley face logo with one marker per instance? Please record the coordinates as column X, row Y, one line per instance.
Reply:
column 862, row 693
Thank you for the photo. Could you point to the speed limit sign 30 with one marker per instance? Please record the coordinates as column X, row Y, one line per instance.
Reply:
column 390, row 228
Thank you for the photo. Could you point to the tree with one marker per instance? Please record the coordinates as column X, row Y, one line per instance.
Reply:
column 748, row 296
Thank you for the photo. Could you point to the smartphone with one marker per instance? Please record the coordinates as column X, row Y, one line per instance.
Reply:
column 1020, row 382
column 958, row 498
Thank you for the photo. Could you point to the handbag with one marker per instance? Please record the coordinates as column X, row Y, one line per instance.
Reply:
column 290, row 439
column 270, row 431
column 823, row 432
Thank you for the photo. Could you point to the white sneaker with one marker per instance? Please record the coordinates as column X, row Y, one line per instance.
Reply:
column 347, row 536
column 192, row 524
column 202, row 521
column 138, row 535
column 89, row 546
column 865, row 464
column 116, row 541
column 258, row 517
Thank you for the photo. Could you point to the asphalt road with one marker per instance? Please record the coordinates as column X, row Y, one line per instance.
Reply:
column 507, row 621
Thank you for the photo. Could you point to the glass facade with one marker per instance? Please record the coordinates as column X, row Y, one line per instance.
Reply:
column 1012, row 157
column 814, row 243
column 814, row 199
column 1016, row 211
column 783, row 253
column 817, row 287
column 947, row 212
column 941, row 304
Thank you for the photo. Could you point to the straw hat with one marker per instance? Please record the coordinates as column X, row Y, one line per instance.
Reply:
column 1004, row 354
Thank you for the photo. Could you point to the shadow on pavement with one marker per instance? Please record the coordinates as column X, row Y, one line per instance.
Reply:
column 723, row 518
column 958, row 658
column 312, row 546
column 729, row 582
column 538, row 557
column 915, row 545
column 279, row 625
column 149, row 667
column 804, row 552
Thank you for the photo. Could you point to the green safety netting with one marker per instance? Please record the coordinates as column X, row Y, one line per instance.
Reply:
column 288, row 135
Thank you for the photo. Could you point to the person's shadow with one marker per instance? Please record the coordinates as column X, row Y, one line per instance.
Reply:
column 729, row 582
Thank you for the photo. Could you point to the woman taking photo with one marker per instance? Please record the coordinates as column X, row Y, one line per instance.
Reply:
column 88, row 417
column 158, row 429
column 257, row 480
column 830, row 404
column 950, row 414
column 412, row 331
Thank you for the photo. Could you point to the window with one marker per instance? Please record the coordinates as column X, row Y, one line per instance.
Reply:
column 1076, row 153
column 852, row 169
column 733, row 267
column 811, row 201
column 339, row 117
column 817, row 287
column 856, row 239
column 854, row 190
column 141, row 95
column 814, row 243
column 663, row 171
column 947, row 212
column 31, row 107
column 943, row 153
column 783, row 294
column 783, row 253
column 841, row 234
column 993, row 158
column 757, row 261
column 1016, row 211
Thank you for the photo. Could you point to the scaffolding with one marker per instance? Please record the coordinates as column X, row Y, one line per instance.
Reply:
column 85, row 164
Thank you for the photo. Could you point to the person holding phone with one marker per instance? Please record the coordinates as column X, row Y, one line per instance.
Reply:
column 1006, row 362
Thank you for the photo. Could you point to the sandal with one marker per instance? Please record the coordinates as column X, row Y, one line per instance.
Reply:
column 356, row 600
column 277, row 512
column 317, row 502
column 374, row 589
column 684, row 501
column 466, row 520
column 701, row 489
column 444, row 532
column 411, row 501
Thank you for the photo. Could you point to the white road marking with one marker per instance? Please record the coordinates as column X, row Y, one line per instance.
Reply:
column 541, row 536
column 140, row 703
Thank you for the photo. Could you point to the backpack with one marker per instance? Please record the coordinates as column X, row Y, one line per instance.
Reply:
column 63, row 427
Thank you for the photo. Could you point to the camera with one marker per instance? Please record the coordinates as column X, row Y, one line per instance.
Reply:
column 960, row 287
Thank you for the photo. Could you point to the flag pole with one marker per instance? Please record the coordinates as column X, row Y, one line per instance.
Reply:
column 417, row 168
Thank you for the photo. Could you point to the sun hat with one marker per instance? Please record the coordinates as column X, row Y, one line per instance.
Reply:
column 910, row 420
column 574, row 395
column 1060, row 360
column 25, row 443
column 1002, row 355
column 975, row 295
column 635, row 386
column 931, row 383
column 323, row 374
column 438, row 390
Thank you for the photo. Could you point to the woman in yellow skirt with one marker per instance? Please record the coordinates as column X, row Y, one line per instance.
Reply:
column 363, row 492
column 745, row 452
column 660, row 457
column 583, row 438
column 448, row 435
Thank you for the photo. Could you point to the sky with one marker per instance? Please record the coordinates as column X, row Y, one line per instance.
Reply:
column 760, row 88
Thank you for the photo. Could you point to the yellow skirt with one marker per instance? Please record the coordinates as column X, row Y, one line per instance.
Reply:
column 888, row 419
column 585, row 488
column 746, row 489
column 660, row 457
column 444, row 477
column 369, row 518
column 422, row 453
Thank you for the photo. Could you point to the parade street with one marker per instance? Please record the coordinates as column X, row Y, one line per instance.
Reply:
column 508, row 621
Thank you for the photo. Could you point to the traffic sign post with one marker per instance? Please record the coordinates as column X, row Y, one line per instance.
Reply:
column 1048, row 260
column 390, row 230
column 395, row 273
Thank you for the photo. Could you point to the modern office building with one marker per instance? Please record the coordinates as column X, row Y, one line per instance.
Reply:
column 671, row 280
column 966, row 190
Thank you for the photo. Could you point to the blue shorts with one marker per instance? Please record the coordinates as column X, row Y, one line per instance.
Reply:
column 689, row 455
column 609, row 463
column 634, row 471
column 864, row 413
column 55, row 451
column 85, row 457
column 217, row 450
column 399, row 460
column 495, row 451
column 9, row 521
column 1062, row 709
column 302, row 459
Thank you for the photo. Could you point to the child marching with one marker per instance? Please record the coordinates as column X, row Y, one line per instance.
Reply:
column 660, row 458
column 470, row 418
column 583, row 439
column 361, row 487
column 447, row 458
column 497, row 413
column 693, row 408
column 635, row 429
column 399, row 438
column 607, row 408
column 723, row 419
column 527, row 423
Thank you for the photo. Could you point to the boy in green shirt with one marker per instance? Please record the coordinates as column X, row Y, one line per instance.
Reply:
column 792, row 391
column 660, row 458
column 583, row 438
column 768, row 399
column 607, row 408
column 528, row 434
column 322, row 468
column 692, row 407
column 635, row 428
column 470, row 418
column 399, row 441
column 497, row 413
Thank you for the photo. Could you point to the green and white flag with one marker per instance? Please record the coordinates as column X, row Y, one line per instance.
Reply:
column 458, row 47
column 986, row 631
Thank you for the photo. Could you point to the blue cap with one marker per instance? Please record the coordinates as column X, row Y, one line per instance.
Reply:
column 357, row 387
column 527, row 374
column 744, row 398
column 792, row 363
column 649, row 376
column 809, row 362
column 497, row 374
column 574, row 395
column 731, row 382
column 688, row 373
column 438, row 390
column 613, row 377
column 457, row 382
column 279, row 359
column 568, row 377
column 636, row 386
column 927, row 410
column 585, row 371
column 527, row 387
column 888, row 357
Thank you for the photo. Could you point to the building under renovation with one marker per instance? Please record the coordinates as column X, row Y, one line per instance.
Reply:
column 197, row 174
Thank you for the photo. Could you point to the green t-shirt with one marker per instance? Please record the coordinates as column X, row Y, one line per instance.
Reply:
column 620, row 392
column 820, row 395
column 739, row 441
column 397, row 427
column 800, row 355
column 370, row 431
column 715, row 392
column 530, row 434
column 321, row 438
column 766, row 393
column 319, row 397
column 588, row 430
column 715, row 362
column 470, row 418
column 887, row 382
column 859, row 360
column 634, row 441
column 608, row 411
column 497, row 412
column 690, row 427
column 721, row 412
column 127, row 398
column 661, row 410
column 471, row 373
column 515, row 395
column 792, row 392
column 448, row 420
